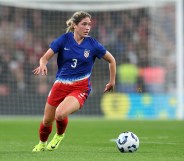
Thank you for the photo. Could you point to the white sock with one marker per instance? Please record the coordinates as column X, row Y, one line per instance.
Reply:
column 41, row 142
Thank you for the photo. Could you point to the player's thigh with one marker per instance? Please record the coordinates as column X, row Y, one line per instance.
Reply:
column 69, row 105
column 49, row 114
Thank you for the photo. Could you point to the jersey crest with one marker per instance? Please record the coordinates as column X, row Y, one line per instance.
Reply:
column 86, row 53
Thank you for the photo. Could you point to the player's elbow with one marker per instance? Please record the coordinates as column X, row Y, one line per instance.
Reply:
column 112, row 61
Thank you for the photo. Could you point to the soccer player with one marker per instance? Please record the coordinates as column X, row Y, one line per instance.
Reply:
column 76, row 54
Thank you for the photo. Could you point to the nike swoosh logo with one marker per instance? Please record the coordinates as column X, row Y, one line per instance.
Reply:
column 55, row 145
column 66, row 49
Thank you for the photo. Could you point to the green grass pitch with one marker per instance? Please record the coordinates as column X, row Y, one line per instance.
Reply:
column 92, row 140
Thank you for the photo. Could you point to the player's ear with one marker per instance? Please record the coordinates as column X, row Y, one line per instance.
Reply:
column 74, row 25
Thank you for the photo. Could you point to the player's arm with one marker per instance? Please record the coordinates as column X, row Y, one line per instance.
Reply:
column 43, row 62
column 112, row 69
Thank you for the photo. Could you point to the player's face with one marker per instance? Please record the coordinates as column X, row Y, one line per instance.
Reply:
column 83, row 27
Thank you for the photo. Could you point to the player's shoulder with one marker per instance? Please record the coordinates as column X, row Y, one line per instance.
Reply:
column 92, row 40
column 63, row 38
column 65, row 35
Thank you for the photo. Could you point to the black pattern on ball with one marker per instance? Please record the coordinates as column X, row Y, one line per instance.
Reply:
column 127, row 142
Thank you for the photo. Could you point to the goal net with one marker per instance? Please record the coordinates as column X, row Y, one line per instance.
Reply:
column 141, row 35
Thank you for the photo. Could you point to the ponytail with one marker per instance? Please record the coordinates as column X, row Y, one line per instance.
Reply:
column 69, row 24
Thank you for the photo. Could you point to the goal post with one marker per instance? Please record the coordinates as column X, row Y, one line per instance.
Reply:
column 147, row 32
column 180, row 57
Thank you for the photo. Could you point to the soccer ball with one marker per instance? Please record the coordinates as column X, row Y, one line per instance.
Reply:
column 127, row 142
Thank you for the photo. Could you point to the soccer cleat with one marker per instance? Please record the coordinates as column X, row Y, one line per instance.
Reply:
column 54, row 143
column 40, row 147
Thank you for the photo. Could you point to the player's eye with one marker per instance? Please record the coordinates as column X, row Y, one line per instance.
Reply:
column 85, row 23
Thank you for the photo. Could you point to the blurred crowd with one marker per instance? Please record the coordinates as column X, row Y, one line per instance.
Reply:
column 141, row 40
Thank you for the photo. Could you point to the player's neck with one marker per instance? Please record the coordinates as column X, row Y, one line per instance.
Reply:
column 78, row 39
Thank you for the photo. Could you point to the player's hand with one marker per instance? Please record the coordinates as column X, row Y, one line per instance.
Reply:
column 40, row 70
column 109, row 87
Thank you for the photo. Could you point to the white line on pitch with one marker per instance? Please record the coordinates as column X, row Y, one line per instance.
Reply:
column 114, row 140
column 161, row 143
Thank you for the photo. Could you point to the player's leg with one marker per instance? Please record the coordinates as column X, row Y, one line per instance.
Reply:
column 69, row 105
column 72, row 103
column 46, row 124
column 45, row 127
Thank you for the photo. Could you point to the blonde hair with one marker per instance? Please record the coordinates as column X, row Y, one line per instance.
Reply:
column 76, row 18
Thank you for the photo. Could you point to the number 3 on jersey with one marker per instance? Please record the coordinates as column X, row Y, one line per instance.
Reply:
column 74, row 64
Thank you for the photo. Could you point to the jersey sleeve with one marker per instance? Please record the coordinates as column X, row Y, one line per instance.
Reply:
column 58, row 44
column 100, row 50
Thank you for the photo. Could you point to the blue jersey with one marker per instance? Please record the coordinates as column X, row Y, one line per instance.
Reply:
column 75, row 61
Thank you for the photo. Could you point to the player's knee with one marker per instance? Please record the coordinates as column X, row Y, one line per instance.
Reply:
column 47, row 122
column 60, row 115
